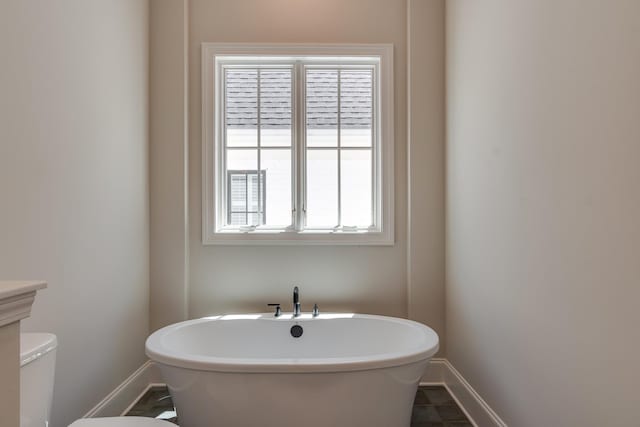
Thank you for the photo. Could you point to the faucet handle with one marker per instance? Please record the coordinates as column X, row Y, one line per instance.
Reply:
column 277, row 306
column 316, row 311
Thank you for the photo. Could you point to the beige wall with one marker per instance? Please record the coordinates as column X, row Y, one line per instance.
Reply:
column 168, row 166
column 223, row 279
column 425, row 158
column 543, row 236
column 73, row 184
column 231, row 279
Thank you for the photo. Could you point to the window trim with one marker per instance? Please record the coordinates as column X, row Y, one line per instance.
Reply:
column 211, row 145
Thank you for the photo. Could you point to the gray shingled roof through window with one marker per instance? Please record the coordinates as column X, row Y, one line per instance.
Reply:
column 275, row 99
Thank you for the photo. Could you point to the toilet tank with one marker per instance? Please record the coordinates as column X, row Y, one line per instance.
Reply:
column 37, row 369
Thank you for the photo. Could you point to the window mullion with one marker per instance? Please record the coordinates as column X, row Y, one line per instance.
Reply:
column 259, row 112
column 374, row 148
column 339, row 154
column 223, row 161
column 246, row 198
column 299, row 110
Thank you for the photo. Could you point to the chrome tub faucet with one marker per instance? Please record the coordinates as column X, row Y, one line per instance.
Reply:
column 296, row 302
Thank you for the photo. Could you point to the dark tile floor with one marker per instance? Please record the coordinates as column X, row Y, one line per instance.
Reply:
column 156, row 403
column 433, row 407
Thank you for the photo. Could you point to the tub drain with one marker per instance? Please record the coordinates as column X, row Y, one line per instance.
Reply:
column 296, row 331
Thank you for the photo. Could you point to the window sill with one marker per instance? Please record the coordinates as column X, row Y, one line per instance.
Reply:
column 310, row 238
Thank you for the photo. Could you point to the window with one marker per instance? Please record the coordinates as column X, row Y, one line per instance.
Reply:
column 245, row 193
column 297, row 144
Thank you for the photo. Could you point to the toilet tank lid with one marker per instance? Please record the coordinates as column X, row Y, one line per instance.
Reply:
column 34, row 345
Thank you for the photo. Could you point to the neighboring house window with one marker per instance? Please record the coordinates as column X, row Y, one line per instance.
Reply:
column 245, row 193
column 317, row 123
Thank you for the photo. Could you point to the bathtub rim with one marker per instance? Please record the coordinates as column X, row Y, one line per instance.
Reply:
column 159, row 353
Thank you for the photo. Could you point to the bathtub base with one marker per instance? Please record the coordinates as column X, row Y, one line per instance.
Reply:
column 370, row 398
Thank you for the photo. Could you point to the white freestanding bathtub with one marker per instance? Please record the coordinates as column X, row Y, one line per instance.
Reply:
column 345, row 370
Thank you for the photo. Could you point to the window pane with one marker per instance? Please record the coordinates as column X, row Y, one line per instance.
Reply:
column 252, row 192
column 275, row 108
column 276, row 165
column 356, row 184
column 246, row 160
column 241, row 107
column 356, row 107
column 238, row 193
column 322, row 108
column 322, row 188
column 254, row 219
column 238, row 219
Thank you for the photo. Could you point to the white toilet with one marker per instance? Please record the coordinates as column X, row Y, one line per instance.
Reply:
column 37, row 370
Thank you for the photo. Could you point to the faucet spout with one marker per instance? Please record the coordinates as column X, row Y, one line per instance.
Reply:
column 296, row 302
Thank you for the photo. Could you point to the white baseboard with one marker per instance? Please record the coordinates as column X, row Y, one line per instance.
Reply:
column 439, row 372
column 119, row 401
column 442, row 372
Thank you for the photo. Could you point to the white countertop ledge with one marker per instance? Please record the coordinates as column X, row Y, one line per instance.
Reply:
column 16, row 287
column 16, row 298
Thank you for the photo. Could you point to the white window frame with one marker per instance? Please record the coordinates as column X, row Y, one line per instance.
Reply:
column 213, row 218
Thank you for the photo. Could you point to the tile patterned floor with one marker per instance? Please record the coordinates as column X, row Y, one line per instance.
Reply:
column 156, row 403
column 433, row 407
